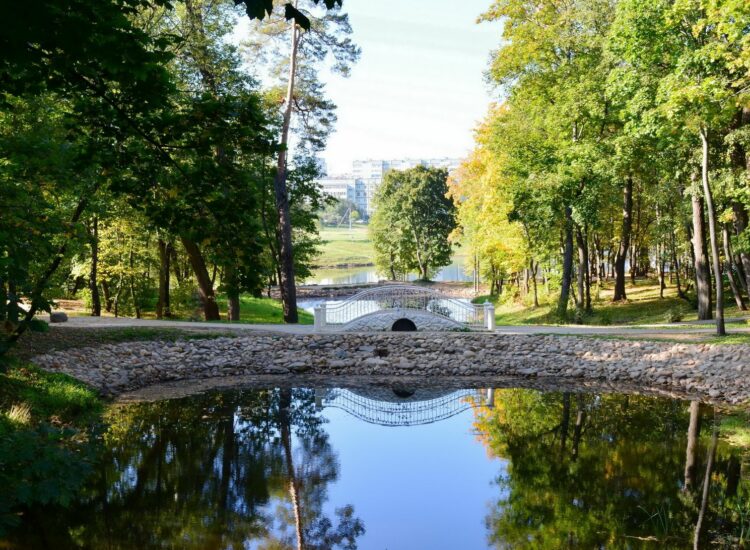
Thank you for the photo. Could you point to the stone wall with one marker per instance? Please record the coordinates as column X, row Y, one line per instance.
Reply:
column 711, row 372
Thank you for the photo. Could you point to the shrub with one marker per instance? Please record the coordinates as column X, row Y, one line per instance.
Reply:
column 674, row 314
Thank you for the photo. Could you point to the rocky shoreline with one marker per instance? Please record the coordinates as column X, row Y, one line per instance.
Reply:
column 713, row 373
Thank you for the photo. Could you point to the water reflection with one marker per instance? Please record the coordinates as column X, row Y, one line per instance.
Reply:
column 509, row 468
column 613, row 471
column 402, row 405
column 456, row 271
column 227, row 470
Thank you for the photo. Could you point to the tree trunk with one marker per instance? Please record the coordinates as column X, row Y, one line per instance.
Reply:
column 691, row 453
column 706, row 483
column 233, row 295
column 564, row 422
column 107, row 297
column 676, row 264
column 740, row 225
column 622, row 251
column 286, row 252
column 567, row 276
column 660, row 266
column 716, row 259
column 285, row 403
column 175, row 261
column 702, row 274
column 534, row 269
column 584, row 282
column 96, row 304
column 205, row 288
column 730, row 272
column 133, row 295
column 162, row 305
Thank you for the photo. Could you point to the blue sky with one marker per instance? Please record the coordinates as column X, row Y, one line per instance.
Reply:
column 418, row 89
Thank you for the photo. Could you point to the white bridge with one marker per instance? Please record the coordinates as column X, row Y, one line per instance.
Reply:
column 403, row 307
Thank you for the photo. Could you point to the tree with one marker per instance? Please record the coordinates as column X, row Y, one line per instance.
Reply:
column 413, row 220
column 308, row 46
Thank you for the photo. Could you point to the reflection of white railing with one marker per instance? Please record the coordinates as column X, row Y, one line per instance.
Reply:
column 405, row 413
column 408, row 298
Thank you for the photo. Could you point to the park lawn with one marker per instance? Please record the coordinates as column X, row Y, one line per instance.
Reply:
column 263, row 310
column 30, row 396
column 342, row 247
column 643, row 307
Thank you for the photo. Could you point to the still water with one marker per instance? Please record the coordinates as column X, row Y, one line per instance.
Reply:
column 378, row 467
column 456, row 271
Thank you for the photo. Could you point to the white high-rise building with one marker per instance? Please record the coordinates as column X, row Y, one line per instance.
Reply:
column 340, row 187
column 367, row 175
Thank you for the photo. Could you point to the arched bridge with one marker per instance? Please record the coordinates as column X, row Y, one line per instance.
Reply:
column 403, row 307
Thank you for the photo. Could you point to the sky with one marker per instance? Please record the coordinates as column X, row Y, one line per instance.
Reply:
column 418, row 90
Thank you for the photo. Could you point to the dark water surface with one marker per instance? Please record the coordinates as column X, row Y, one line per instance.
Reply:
column 408, row 468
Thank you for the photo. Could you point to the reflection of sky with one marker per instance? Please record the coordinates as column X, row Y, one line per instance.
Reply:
column 421, row 487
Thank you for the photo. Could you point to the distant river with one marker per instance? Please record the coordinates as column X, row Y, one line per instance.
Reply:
column 360, row 275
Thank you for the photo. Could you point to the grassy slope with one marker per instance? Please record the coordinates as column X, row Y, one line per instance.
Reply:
column 252, row 310
column 263, row 310
column 344, row 247
column 642, row 307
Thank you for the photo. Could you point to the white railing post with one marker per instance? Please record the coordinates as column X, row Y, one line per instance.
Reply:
column 320, row 317
column 489, row 316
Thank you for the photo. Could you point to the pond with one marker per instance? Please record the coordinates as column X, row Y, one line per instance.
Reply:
column 399, row 467
column 456, row 271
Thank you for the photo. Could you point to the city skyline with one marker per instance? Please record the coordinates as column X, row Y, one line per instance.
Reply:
column 359, row 185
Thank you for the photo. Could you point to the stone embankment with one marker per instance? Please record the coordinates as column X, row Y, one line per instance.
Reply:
column 715, row 373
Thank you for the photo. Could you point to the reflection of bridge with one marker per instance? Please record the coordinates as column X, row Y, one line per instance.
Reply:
column 402, row 406
column 421, row 308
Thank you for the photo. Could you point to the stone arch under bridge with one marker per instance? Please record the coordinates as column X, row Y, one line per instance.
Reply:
column 388, row 307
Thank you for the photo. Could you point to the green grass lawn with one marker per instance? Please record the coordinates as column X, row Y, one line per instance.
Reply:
column 643, row 306
column 263, row 310
column 342, row 246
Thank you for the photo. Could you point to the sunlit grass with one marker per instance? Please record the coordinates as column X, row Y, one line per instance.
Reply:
column 264, row 310
column 31, row 395
column 735, row 428
column 342, row 246
column 644, row 306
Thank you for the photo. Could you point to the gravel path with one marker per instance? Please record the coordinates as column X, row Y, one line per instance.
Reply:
column 674, row 331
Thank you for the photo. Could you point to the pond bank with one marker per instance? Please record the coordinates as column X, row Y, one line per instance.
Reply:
column 701, row 371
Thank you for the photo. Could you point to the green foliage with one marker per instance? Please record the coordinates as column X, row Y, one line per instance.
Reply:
column 412, row 222
column 600, row 95
column 45, row 459
column 163, row 139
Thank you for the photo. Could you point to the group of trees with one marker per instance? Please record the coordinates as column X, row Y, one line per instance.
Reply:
column 412, row 222
column 339, row 212
column 622, row 142
column 137, row 146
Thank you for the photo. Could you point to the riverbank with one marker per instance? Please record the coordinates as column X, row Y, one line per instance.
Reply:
column 699, row 371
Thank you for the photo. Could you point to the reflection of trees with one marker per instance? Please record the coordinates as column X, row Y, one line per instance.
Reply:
column 608, row 471
column 214, row 472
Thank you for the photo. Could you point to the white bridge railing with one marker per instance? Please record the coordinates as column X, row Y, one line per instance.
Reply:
column 407, row 298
